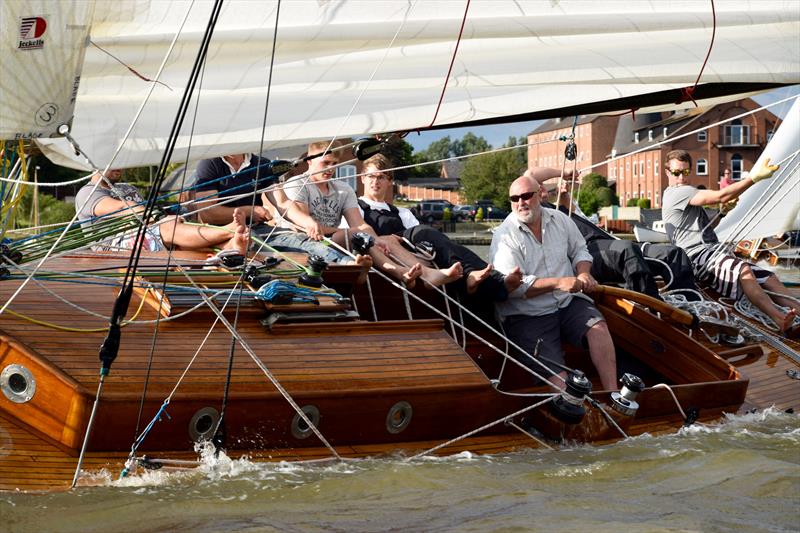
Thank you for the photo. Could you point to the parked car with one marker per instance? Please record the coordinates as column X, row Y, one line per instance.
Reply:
column 463, row 212
column 432, row 210
column 490, row 211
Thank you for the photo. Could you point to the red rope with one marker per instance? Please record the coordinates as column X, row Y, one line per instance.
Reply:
column 118, row 60
column 452, row 60
column 687, row 93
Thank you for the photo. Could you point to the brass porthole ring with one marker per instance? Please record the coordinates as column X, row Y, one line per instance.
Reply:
column 399, row 417
column 17, row 383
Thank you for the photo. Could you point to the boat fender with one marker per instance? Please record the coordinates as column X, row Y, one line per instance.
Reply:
column 361, row 242
column 366, row 148
column 568, row 406
column 624, row 401
column 312, row 277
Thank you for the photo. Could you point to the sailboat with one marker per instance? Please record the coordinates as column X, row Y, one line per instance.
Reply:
column 372, row 368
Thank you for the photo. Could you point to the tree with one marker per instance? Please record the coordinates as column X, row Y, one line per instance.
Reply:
column 595, row 193
column 401, row 154
column 490, row 175
column 446, row 148
column 469, row 144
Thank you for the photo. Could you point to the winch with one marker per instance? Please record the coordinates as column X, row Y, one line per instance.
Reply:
column 624, row 401
column 568, row 406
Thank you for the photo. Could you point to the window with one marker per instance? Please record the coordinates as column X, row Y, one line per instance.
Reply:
column 636, row 137
column 347, row 174
column 665, row 133
column 736, row 167
column 702, row 136
column 770, row 133
column 655, row 167
column 736, row 133
column 641, row 168
column 635, row 170
column 702, row 167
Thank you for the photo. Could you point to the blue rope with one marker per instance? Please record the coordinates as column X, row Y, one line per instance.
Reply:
column 278, row 291
column 143, row 434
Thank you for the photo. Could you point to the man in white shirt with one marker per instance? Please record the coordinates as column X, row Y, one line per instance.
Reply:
column 550, row 304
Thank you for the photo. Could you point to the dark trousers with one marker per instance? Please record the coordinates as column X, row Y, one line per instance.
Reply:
column 679, row 265
column 621, row 261
column 492, row 289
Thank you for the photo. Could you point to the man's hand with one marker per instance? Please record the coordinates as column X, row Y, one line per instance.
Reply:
column 259, row 214
column 569, row 284
column 314, row 230
column 763, row 172
column 589, row 283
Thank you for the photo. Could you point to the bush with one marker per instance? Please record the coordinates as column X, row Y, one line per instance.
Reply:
column 51, row 210
column 644, row 203
column 632, row 202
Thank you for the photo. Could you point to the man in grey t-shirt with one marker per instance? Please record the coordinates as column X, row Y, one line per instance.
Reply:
column 688, row 226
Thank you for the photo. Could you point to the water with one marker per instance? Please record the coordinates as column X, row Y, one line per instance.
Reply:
column 741, row 475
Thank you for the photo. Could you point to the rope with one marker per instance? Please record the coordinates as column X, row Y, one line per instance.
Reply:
column 452, row 61
column 688, row 92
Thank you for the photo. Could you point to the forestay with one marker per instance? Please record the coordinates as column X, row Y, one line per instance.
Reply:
column 354, row 66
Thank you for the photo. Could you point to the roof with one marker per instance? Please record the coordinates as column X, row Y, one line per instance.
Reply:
column 558, row 123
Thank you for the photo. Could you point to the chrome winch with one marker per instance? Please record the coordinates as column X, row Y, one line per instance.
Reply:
column 624, row 401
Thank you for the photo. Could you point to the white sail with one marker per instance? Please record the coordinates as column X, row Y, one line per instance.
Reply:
column 353, row 67
column 770, row 207
column 41, row 53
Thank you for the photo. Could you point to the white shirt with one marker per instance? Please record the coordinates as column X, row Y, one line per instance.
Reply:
column 557, row 256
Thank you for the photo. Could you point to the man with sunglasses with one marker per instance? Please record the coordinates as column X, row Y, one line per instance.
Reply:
column 689, row 227
column 552, row 304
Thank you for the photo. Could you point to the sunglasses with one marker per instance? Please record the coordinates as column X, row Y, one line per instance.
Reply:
column 685, row 172
column 524, row 197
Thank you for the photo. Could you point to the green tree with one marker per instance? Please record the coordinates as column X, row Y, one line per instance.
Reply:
column 595, row 193
column 490, row 175
column 644, row 203
column 469, row 144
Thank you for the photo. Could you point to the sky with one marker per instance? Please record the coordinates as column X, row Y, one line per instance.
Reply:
column 498, row 134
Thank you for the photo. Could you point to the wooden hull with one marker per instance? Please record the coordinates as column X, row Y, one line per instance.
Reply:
column 353, row 372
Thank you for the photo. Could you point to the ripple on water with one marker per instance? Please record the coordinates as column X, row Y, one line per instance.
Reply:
column 743, row 474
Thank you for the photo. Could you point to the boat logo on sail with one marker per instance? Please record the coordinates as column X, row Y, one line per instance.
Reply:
column 31, row 30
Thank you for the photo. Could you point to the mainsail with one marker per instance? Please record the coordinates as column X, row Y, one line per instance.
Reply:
column 350, row 67
column 41, row 51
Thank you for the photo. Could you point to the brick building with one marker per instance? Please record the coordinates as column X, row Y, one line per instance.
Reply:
column 594, row 137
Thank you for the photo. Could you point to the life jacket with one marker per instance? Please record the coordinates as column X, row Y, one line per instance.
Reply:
column 382, row 221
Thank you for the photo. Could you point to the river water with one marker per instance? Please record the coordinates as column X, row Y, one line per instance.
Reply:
column 740, row 475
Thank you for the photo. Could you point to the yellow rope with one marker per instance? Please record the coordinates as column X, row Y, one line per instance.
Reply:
column 80, row 330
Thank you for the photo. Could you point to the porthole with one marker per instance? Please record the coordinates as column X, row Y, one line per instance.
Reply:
column 300, row 429
column 203, row 424
column 17, row 383
column 399, row 417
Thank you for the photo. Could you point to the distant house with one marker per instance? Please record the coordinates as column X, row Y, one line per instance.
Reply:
column 594, row 138
column 451, row 169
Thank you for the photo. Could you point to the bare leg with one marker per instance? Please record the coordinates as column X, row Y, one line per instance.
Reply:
column 239, row 240
column 760, row 299
column 364, row 261
column 441, row 276
column 559, row 382
column 601, row 351
column 177, row 232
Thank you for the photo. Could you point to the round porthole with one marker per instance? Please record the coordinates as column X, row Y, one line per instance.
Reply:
column 17, row 383
column 300, row 429
column 399, row 417
column 203, row 424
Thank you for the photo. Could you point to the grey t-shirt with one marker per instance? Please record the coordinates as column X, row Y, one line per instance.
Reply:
column 326, row 209
column 684, row 222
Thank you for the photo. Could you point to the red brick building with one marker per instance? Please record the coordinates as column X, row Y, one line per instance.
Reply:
column 594, row 137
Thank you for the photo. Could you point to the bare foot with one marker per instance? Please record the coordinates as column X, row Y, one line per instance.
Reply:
column 513, row 280
column 475, row 278
column 442, row 276
column 364, row 261
column 788, row 320
column 409, row 278
column 239, row 218
column 239, row 240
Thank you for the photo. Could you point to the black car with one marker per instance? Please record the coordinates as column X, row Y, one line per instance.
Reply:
column 431, row 210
